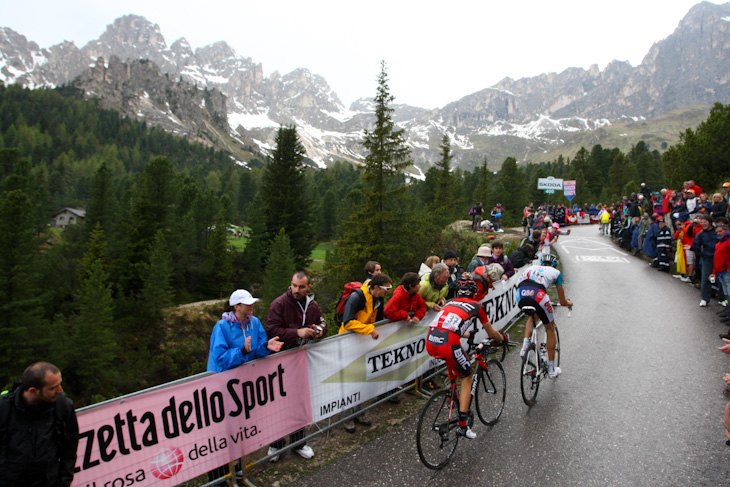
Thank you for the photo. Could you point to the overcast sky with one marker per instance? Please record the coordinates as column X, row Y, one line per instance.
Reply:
column 436, row 52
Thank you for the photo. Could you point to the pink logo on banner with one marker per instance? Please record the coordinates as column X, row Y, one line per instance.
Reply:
column 167, row 462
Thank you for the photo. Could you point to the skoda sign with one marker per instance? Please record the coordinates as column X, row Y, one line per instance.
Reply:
column 550, row 183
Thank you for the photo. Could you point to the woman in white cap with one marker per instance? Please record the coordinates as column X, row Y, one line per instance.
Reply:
column 239, row 336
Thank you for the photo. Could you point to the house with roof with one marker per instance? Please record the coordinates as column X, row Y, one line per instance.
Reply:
column 67, row 216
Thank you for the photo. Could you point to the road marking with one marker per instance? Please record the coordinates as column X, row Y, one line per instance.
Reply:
column 603, row 259
column 601, row 246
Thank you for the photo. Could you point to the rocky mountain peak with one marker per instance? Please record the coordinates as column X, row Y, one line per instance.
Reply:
column 217, row 53
column 524, row 117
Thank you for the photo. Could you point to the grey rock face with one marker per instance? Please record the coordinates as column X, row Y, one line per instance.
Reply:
column 512, row 118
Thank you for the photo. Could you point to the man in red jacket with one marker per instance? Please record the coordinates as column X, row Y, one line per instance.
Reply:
column 406, row 304
column 295, row 317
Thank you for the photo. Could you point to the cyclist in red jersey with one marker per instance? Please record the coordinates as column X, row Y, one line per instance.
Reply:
column 447, row 329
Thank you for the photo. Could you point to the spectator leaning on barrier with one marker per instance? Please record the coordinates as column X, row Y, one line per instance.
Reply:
column 434, row 286
column 451, row 259
column 296, row 318
column 498, row 257
column 406, row 304
column 39, row 433
column 239, row 336
column 363, row 308
column 482, row 257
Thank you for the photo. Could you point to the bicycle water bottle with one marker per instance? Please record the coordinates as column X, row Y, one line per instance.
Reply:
column 543, row 352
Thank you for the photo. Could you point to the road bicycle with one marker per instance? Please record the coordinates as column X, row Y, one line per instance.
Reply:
column 436, row 437
column 535, row 362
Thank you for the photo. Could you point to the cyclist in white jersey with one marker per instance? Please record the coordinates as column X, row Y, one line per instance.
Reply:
column 532, row 297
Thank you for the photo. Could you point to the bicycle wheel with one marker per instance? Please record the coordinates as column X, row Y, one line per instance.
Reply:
column 557, row 346
column 436, row 437
column 491, row 392
column 530, row 376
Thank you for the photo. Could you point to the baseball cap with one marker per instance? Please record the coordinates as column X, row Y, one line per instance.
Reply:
column 556, row 225
column 726, row 185
column 241, row 296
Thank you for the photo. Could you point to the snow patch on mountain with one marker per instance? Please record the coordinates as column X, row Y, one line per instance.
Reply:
column 544, row 128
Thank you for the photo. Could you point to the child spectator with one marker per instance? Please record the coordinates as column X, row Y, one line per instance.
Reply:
column 498, row 257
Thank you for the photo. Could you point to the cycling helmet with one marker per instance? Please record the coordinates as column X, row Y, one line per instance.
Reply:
column 466, row 288
column 549, row 259
column 483, row 281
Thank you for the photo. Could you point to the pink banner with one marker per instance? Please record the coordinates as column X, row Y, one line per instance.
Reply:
column 167, row 436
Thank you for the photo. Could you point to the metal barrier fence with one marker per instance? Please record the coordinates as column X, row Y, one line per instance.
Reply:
column 343, row 366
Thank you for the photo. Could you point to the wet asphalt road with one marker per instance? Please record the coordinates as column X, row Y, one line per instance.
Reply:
column 639, row 401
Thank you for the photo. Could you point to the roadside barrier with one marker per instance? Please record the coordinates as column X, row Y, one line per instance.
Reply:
column 174, row 432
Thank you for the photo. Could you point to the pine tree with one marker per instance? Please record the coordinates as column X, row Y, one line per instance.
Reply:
column 285, row 197
column 511, row 190
column 219, row 254
column 375, row 229
column 21, row 297
column 102, row 206
column 89, row 348
column 279, row 269
column 156, row 293
column 443, row 204
column 481, row 192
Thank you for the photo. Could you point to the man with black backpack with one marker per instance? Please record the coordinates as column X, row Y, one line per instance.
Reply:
column 38, row 431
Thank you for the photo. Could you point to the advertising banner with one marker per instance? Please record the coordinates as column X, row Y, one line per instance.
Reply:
column 353, row 368
column 167, row 436
column 569, row 189
column 549, row 183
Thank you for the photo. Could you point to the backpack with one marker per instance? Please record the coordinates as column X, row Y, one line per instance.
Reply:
column 471, row 211
column 350, row 287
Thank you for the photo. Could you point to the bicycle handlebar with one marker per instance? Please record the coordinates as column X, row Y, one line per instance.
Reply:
column 488, row 346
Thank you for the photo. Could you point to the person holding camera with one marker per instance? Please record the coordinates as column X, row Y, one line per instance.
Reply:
column 296, row 318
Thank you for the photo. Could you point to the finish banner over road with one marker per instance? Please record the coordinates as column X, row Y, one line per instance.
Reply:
column 167, row 436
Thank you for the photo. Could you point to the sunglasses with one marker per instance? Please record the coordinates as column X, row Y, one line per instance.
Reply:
column 386, row 288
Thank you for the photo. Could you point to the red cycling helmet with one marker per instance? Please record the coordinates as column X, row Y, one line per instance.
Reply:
column 484, row 282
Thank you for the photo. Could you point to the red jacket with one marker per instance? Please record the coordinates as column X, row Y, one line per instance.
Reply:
column 690, row 230
column 402, row 305
column 722, row 255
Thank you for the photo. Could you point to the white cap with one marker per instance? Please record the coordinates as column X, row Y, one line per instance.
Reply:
column 484, row 251
column 241, row 296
